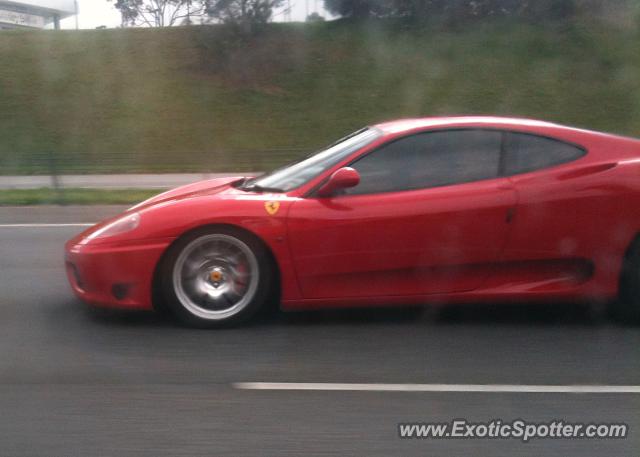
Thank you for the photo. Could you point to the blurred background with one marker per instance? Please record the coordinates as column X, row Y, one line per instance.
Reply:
column 189, row 86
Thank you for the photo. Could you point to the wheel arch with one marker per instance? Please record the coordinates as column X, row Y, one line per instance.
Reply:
column 275, row 292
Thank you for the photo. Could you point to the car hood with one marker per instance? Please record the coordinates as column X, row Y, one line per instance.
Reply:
column 206, row 187
column 213, row 188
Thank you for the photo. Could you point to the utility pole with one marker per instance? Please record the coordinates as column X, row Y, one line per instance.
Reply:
column 75, row 2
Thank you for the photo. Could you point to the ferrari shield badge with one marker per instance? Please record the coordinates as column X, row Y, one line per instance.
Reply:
column 272, row 207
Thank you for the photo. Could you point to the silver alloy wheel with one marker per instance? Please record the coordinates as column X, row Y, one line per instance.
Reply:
column 215, row 276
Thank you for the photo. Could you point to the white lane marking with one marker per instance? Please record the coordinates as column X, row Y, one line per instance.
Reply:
column 46, row 225
column 491, row 388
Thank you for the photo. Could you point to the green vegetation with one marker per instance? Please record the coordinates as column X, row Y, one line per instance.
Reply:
column 46, row 196
column 191, row 98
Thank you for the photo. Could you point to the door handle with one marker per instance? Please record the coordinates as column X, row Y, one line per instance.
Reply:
column 511, row 212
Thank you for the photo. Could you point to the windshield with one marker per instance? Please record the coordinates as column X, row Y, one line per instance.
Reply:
column 299, row 173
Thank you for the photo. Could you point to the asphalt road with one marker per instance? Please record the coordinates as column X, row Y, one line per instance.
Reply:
column 80, row 383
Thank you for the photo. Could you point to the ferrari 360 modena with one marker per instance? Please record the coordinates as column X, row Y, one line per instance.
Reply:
column 418, row 211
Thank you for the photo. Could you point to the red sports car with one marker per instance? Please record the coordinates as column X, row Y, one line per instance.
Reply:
column 402, row 213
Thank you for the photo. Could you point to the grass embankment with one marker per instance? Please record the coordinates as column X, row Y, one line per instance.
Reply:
column 46, row 196
column 184, row 99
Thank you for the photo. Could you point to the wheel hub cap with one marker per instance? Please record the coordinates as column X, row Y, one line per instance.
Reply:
column 215, row 276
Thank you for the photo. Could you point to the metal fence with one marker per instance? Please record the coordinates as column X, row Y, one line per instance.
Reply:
column 72, row 163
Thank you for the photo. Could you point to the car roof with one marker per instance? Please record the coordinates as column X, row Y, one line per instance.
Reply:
column 406, row 125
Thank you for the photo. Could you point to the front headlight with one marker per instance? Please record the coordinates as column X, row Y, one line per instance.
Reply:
column 122, row 225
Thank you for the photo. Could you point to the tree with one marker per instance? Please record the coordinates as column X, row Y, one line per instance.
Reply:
column 356, row 8
column 454, row 10
column 315, row 17
column 244, row 13
column 159, row 13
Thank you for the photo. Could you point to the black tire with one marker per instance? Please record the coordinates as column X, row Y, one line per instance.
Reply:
column 627, row 307
column 179, row 300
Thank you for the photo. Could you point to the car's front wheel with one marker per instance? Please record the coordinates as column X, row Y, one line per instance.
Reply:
column 216, row 277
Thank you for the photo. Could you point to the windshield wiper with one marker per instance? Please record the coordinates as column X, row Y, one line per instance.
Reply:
column 259, row 188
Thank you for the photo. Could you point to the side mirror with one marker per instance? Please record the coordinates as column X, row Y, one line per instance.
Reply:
column 340, row 179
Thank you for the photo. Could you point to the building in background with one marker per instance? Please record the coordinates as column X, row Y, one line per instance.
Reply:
column 35, row 14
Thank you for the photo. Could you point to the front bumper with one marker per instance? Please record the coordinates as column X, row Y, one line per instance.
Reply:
column 114, row 275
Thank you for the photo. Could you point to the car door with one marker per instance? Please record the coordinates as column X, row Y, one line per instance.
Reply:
column 554, row 227
column 430, row 215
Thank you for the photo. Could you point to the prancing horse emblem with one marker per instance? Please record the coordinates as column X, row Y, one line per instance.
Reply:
column 272, row 207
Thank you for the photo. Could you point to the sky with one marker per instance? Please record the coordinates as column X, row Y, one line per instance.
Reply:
column 96, row 13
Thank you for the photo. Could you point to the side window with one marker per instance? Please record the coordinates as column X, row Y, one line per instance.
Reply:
column 429, row 159
column 530, row 152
